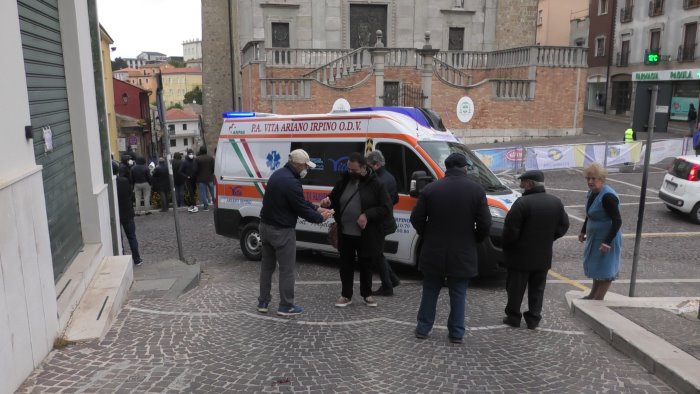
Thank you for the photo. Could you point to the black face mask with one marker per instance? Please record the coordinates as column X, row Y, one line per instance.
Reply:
column 354, row 176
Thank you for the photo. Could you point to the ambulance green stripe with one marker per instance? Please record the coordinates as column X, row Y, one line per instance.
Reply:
column 245, row 165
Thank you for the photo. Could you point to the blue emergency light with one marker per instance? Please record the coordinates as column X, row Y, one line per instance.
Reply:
column 232, row 115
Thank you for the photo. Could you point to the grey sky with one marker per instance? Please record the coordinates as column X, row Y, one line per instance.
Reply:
column 150, row 25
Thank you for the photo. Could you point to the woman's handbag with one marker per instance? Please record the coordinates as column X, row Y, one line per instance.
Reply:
column 333, row 235
column 333, row 228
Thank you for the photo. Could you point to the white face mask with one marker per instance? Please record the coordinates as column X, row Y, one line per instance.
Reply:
column 190, row 156
column 303, row 173
column 130, row 163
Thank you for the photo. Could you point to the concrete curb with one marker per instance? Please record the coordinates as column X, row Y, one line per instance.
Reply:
column 165, row 279
column 672, row 365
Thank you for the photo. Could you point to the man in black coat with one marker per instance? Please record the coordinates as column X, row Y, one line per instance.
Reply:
column 203, row 172
column 532, row 225
column 187, row 171
column 451, row 217
column 376, row 161
column 161, row 183
column 126, row 212
column 362, row 207
column 178, row 179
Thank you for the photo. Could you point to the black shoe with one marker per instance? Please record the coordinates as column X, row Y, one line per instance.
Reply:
column 137, row 263
column 458, row 341
column 420, row 336
column 383, row 292
column 511, row 322
column 532, row 326
column 394, row 284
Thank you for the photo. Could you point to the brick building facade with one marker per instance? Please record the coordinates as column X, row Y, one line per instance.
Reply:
column 507, row 86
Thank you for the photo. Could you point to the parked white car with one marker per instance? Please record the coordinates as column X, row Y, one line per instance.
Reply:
column 680, row 190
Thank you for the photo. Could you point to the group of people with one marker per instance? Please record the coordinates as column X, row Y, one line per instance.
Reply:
column 451, row 217
column 136, row 181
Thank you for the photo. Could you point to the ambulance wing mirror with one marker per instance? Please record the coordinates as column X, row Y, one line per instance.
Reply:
column 419, row 179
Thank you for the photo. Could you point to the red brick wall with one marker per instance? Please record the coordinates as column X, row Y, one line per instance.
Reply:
column 554, row 105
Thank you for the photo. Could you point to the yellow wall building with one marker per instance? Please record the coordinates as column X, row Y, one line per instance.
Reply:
column 177, row 82
column 105, row 42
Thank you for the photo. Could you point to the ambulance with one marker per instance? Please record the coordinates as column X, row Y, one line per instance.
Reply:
column 414, row 142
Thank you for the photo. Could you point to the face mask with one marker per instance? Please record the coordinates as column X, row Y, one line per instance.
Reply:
column 354, row 175
column 130, row 163
column 303, row 173
column 190, row 156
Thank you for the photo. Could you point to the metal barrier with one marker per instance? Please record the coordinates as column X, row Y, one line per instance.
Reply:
column 521, row 158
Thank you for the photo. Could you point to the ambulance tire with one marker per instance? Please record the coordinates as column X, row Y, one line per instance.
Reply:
column 251, row 246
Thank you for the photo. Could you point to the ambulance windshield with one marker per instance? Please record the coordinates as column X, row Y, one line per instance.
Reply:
column 439, row 150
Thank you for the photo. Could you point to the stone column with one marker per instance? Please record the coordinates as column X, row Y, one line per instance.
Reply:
column 427, row 54
column 379, row 53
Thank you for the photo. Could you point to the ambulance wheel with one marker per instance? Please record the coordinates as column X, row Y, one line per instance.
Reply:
column 251, row 245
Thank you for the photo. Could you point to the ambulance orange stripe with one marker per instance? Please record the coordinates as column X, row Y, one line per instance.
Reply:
column 406, row 203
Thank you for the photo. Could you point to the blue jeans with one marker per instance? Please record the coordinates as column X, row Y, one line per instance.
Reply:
column 458, row 301
column 203, row 186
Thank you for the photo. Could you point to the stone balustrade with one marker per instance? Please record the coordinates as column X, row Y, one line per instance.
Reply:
column 285, row 88
column 509, row 89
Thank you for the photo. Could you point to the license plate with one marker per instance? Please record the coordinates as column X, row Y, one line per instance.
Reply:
column 671, row 186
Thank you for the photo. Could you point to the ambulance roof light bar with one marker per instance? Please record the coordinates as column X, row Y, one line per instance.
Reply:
column 234, row 115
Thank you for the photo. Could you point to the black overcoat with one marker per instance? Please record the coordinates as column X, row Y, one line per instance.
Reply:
column 452, row 217
column 532, row 225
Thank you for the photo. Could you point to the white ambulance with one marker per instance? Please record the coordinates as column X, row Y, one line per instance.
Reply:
column 414, row 143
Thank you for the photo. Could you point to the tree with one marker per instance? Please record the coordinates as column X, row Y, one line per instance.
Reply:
column 119, row 63
column 193, row 96
column 176, row 63
column 176, row 105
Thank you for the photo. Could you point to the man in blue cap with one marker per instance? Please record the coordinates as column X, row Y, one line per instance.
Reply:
column 532, row 225
column 451, row 217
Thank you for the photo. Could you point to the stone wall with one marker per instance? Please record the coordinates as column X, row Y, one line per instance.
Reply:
column 516, row 23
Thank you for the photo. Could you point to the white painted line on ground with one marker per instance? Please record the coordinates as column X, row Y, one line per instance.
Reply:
column 650, row 235
column 586, row 191
column 557, row 281
column 326, row 323
column 623, row 203
column 576, row 217
column 649, row 189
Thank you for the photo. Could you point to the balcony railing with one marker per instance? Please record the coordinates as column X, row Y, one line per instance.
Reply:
column 688, row 4
column 626, row 14
column 623, row 59
column 656, row 8
column 686, row 53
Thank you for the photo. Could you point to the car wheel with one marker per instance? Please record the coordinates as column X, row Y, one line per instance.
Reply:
column 695, row 214
column 251, row 244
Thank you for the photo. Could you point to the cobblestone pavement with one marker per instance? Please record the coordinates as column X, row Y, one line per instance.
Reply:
column 212, row 339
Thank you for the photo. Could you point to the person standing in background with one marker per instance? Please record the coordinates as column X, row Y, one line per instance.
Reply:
column 178, row 179
column 126, row 212
column 187, row 171
column 692, row 119
column 376, row 161
column 161, row 184
column 203, row 173
column 141, row 178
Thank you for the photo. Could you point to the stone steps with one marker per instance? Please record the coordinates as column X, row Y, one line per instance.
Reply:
column 102, row 300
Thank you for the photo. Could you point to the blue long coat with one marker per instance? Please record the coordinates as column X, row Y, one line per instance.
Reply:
column 596, row 264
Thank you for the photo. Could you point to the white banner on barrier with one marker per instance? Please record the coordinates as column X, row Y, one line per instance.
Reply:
column 561, row 156
column 663, row 149
column 616, row 154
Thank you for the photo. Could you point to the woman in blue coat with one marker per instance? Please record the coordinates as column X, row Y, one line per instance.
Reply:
column 601, row 232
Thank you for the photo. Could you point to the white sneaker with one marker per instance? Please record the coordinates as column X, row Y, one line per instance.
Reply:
column 343, row 302
column 193, row 210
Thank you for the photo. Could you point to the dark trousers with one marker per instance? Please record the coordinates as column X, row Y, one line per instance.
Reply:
column 516, row 283
column 179, row 194
column 350, row 246
column 386, row 275
column 130, row 230
column 164, row 201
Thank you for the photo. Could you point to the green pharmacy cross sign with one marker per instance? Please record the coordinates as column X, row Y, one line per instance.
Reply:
column 653, row 58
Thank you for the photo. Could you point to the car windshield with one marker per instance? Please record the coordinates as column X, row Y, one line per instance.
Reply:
column 439, row 150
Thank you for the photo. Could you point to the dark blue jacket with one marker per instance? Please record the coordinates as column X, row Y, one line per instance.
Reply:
column 284, row 200
column 389, row 184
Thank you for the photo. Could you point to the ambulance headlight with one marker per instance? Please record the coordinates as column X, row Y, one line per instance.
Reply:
column 497, row 212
